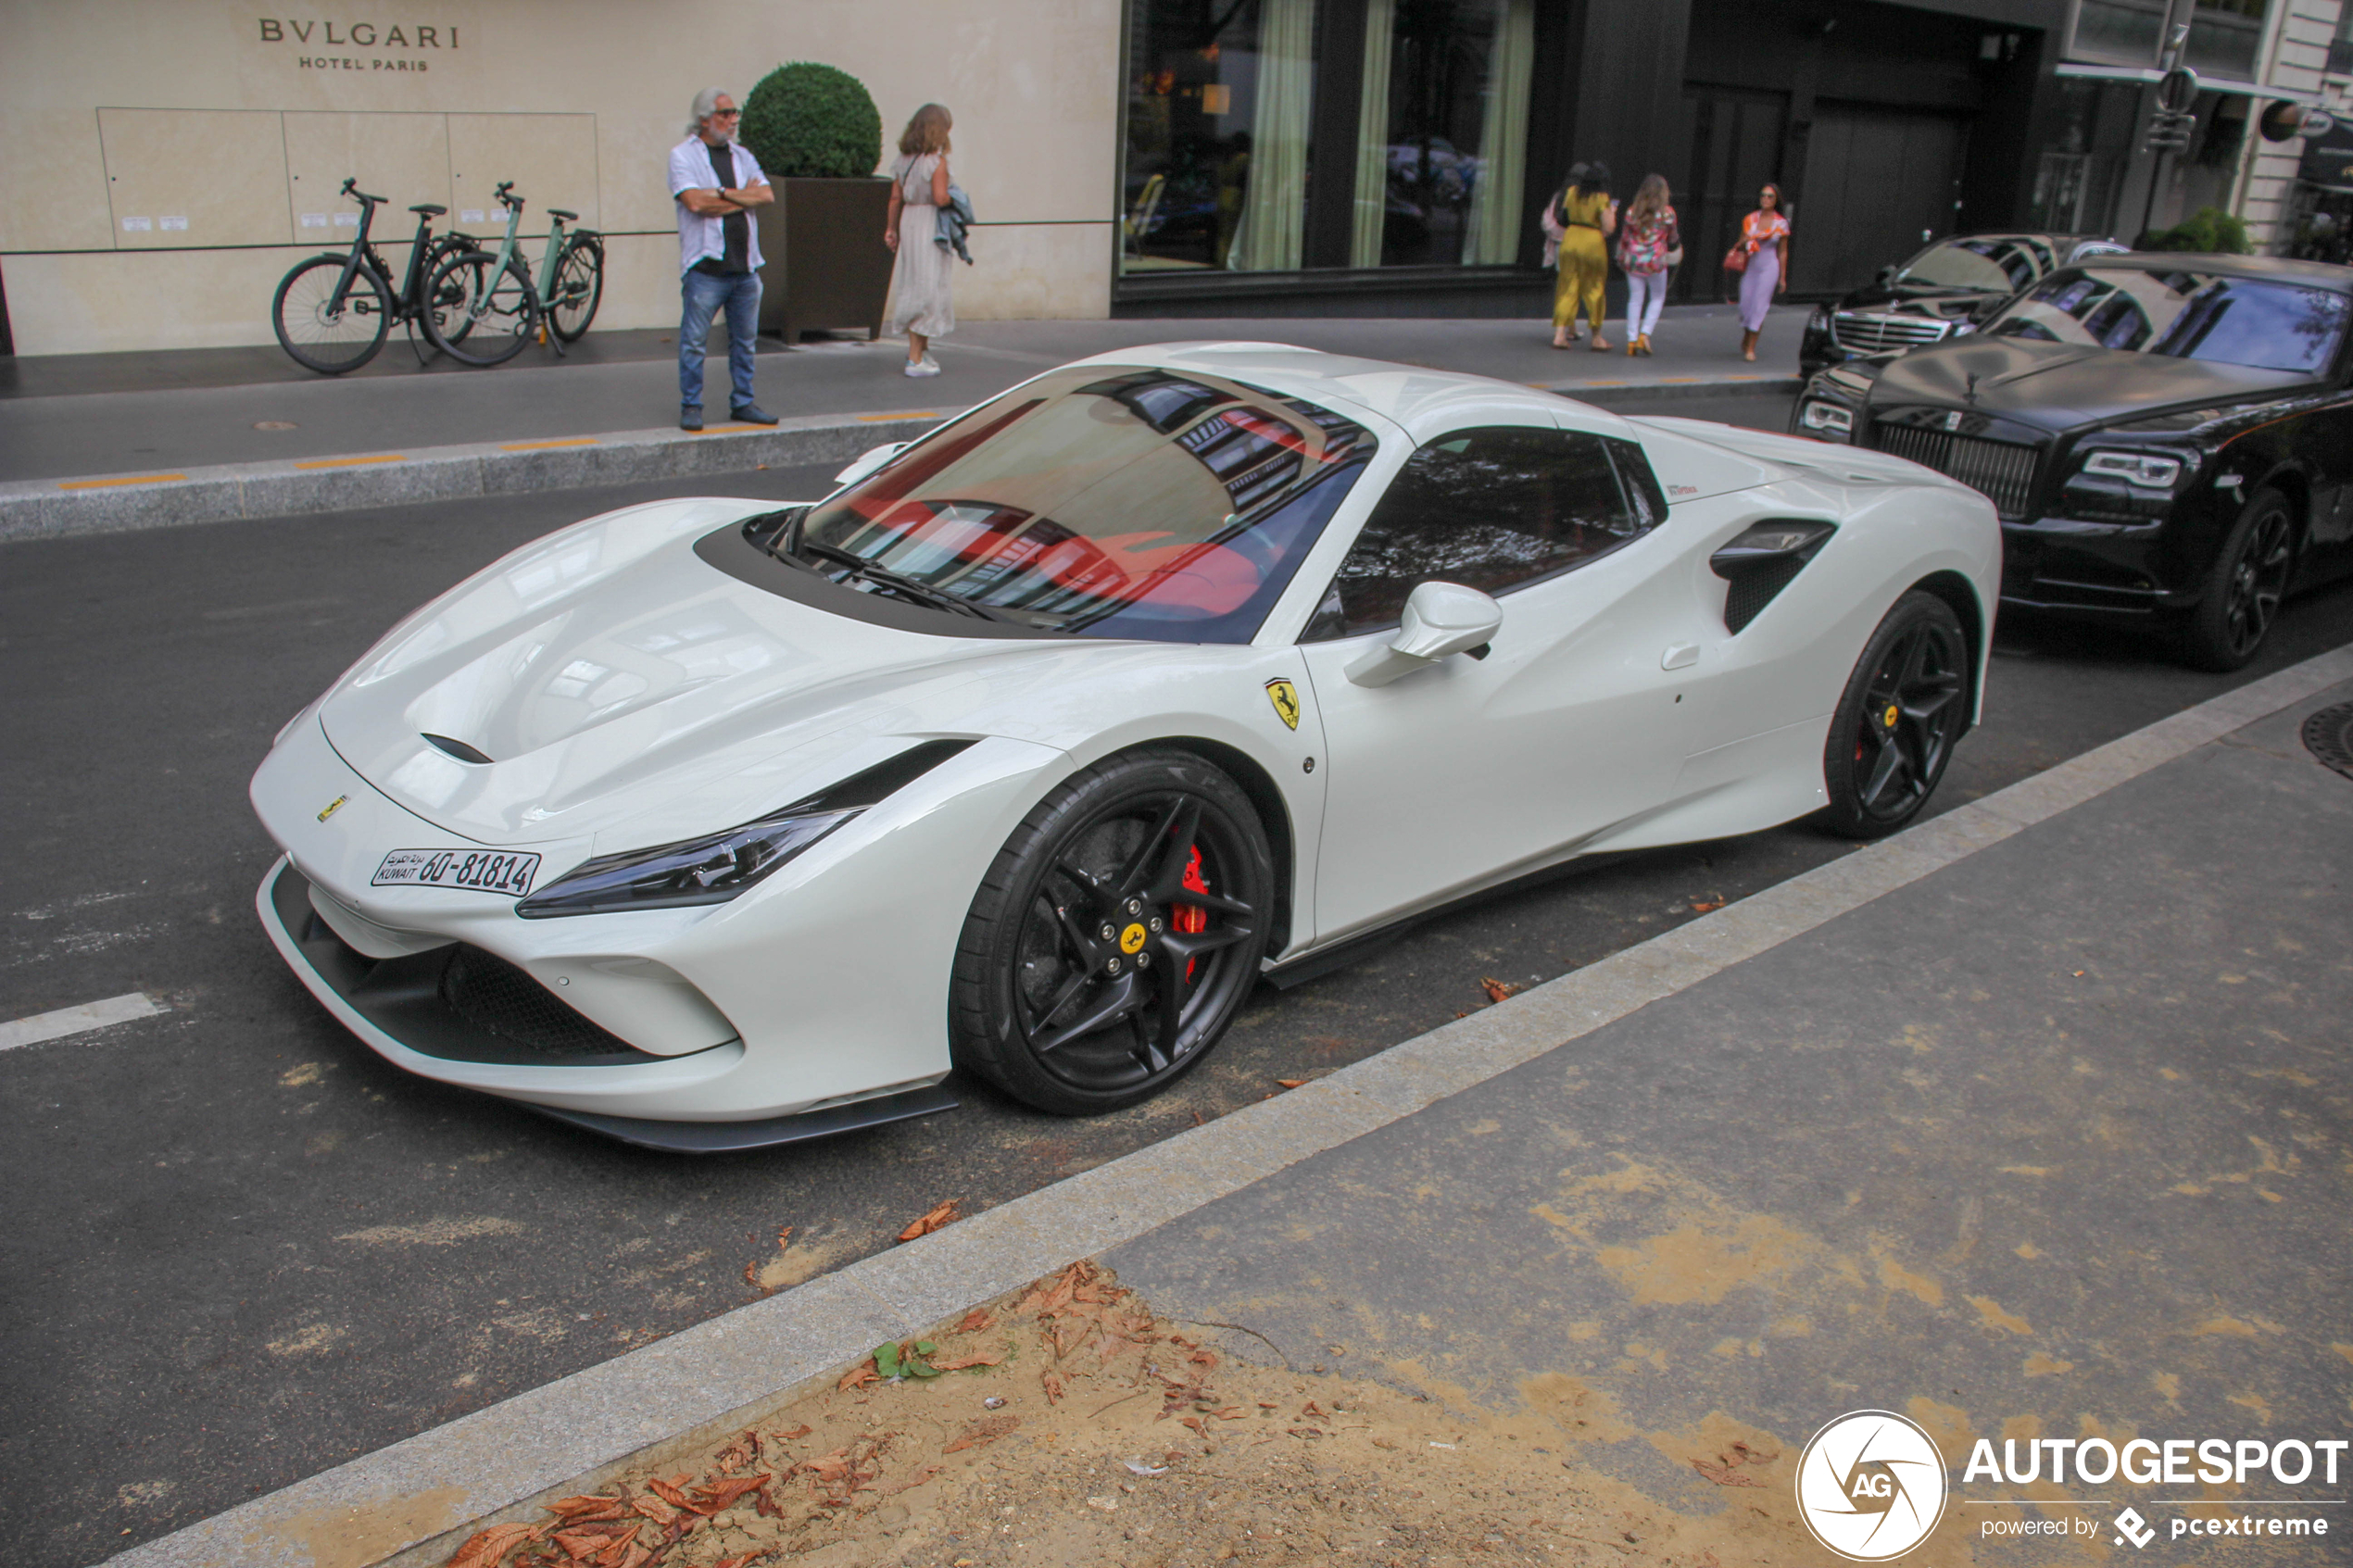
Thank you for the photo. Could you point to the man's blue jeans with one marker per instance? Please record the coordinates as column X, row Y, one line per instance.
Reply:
column 705, row 294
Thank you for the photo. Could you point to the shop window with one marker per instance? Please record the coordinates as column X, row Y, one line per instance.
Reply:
column 1219, row 100
column 2224, row 36
column 1221, row 120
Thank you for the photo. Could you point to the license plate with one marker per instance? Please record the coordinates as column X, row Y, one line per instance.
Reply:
column 481, row 870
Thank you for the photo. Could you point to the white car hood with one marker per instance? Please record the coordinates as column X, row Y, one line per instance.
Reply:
column 617, row 682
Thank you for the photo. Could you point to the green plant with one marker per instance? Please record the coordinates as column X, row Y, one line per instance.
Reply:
column 808, row 121
column 2209, row 230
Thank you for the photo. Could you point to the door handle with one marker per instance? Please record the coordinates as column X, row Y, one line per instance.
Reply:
column 1678, row 656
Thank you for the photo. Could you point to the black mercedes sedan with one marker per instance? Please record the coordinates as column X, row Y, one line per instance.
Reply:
column 2167, row 438
column 1943, row 292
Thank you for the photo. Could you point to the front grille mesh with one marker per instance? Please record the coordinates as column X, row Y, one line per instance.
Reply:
column 1875, row 334
column 499, row 999
column 2002, row 471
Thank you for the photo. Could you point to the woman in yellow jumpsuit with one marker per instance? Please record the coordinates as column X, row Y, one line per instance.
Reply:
column 1587, row 218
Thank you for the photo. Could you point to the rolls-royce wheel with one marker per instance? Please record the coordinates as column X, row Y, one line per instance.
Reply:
column 1116, row 936
column 2244, row 587
column 1902, row 708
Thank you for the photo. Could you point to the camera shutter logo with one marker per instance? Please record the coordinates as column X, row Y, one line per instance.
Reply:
column 1870, row 1485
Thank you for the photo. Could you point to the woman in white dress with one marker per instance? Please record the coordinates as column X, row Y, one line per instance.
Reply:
column 918, row 190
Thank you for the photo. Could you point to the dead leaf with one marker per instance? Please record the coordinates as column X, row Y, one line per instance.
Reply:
column 1205, row 1360
column 860, row 1375
column 1196, row 1422
column 581, row 1545
column 489, row 1545
column 1291, row 1082
column 656, row 1510
column 587, row 1509
column 720, row 1495
column 959, row 1363
column 784, row 1237
column 671, row 1493
column 1723, row 1476
column 983, row 1432
column 1499, row 990
column 1708, row 905
column 617, row 1549
column 1312, row 1411
column 1054, row 1386
column 941, row 1214
column 975, row 1322
column 639, row 1555
column 1744, row 1454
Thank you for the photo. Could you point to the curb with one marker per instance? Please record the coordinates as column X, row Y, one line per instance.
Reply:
column 412, row 1504
column 122, row 503
column 1609, row 394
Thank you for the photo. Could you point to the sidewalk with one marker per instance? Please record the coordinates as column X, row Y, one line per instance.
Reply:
column 2030, row 1121
column 80, row 436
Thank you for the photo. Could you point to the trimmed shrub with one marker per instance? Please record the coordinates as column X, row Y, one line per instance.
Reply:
column 808, row 121
column 2208, row 230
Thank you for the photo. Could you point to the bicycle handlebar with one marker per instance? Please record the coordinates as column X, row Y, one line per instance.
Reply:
column 351, row 188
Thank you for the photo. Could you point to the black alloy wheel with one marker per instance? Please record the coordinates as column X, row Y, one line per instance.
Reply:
column 1116, row 936
column 2244, row 587
column 1903, row 707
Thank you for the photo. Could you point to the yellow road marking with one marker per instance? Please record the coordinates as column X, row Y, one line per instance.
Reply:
column 103, row 484
column 722, row 429
column 910, row 414
column 350, row 462
column 544, row 445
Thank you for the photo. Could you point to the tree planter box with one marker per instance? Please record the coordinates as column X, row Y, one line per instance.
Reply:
column 827, row 266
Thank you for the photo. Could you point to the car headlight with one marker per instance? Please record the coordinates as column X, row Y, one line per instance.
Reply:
column 1819, row 321
column 1826, row 416
column 710, row 870
column 718, row 866
column 2144, row 469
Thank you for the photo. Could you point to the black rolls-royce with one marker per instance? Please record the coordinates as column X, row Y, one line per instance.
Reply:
column 2167, row 437
column 1942, row 292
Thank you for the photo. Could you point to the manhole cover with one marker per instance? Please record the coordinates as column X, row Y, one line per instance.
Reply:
column 2328, row 736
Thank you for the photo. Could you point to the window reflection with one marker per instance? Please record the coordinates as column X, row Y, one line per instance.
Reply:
column 2184, row 315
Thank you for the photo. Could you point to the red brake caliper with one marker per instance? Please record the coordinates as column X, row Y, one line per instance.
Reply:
column 1190, row 919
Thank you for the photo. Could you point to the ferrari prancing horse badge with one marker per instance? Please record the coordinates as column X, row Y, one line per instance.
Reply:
column 1285, row 696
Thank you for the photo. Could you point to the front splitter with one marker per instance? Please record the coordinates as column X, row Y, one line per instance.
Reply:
column 732, row 1137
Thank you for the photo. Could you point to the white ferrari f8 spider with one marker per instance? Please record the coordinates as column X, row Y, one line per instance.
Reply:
column 1030, row 750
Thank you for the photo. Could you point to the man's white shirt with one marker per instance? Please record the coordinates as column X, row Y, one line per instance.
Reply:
column 690, row 171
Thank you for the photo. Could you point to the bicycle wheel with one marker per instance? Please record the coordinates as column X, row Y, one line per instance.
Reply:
column 434, row 310
column 496, row 303
column 322, row 334
column 580, row 285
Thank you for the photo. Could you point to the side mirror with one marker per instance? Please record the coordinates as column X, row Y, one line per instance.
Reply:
column 872, row 462
column 1441, row 619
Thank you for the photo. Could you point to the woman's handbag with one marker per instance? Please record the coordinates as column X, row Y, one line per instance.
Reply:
column 1736, row 258
column 1675, row 257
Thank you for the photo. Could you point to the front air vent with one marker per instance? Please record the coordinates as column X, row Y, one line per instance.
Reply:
column 457, row 748
column 502, row 999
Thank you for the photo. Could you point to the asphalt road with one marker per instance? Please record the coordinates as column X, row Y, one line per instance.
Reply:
column 243, row 1249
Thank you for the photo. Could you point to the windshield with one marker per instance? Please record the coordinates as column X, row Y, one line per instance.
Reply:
column 2184, row 315
column 1108, row 501
column 1985, row 266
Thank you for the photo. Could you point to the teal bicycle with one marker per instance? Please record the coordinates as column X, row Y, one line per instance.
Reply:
column 502, row 308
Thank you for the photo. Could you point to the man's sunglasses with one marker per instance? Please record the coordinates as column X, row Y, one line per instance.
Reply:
column 726, row 114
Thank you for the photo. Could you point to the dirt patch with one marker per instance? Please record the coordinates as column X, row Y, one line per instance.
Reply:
column 1067, row 1425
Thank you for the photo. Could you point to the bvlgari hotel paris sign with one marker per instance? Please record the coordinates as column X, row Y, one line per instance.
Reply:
column 300, row 37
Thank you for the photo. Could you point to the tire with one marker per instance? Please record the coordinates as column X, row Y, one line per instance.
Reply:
column 324, row 339
column 1165, row 852
column 2241, row 597
column 454, row 323
column 497, row 303
column 1902, row 708
column 579, row 288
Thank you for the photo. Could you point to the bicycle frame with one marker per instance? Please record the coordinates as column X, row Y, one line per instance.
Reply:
column 509, row 251
column 407, row 299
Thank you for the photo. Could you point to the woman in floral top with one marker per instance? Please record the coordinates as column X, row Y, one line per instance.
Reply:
column 1764, row 237
column 1648, row 247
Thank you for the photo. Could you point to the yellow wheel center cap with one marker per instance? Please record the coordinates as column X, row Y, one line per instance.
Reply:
column 1890, row 716
column 1131, row 941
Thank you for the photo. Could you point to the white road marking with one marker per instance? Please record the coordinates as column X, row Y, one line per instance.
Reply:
column 74, row 1021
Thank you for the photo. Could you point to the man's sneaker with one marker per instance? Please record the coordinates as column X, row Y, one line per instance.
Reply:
column 690, row 416
column 751, row 414
column 924, row 367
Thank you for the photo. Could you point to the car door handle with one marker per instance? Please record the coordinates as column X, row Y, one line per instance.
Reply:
column 1678, row 656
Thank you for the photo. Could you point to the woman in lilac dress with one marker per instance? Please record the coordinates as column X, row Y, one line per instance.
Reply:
column 1764, row 237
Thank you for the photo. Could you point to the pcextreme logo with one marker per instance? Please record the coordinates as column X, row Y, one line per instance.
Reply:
column 1870, row 1485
